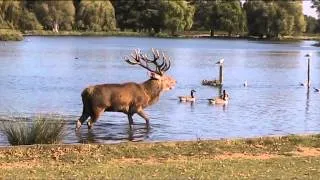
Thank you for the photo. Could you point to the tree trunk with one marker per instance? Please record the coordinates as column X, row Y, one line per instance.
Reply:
column 55, row 27
column 156, row 30
column 211, row 32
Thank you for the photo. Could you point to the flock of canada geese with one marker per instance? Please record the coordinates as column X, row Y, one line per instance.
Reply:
column 223, row 99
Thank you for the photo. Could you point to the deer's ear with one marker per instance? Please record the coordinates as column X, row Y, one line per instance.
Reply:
column 154, row 75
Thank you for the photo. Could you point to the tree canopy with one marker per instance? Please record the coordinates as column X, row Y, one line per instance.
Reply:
column 178, row 15
column 96, row 16
column 14, row 15
column 220, row 15
column 55, row 14
column 263, row 18
column 274, row 18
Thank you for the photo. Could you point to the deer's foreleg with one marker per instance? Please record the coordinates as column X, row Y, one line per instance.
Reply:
column 142, row 114
column 81, row 120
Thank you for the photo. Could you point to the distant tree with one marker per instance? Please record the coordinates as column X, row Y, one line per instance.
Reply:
column 294, row 10
column 18, row 16
column 178, row 15
column 257, row 17
column 312, row 24
column 231, row 18
column 55, row 15
column 129, row 13
column 220, row 15
column 274, row 18
column 152, row 16
column 202, row 13
column 316, row 5
column 96, row 16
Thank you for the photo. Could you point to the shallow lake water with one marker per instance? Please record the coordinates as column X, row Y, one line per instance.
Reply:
column 47, row 75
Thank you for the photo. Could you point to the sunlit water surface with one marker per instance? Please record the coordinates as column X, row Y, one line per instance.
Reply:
column 47, row 75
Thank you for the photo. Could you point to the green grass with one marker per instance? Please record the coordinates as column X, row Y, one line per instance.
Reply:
column 254, row 158
column 280, row 168
column 41, row 130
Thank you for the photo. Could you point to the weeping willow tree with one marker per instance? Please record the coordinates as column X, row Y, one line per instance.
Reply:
column 178, row 15
column 96, row 16
column 14, row 15
column 275, row 18
column 55, row 15
column 232, row 17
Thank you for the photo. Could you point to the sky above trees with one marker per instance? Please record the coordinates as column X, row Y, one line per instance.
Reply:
column 307, row 10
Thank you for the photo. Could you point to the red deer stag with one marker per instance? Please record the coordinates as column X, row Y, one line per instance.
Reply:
column 131, row 97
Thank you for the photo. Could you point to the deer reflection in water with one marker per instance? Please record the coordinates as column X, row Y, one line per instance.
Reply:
column 110, row 133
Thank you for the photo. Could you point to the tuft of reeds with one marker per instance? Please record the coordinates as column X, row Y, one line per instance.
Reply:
column 40, row 130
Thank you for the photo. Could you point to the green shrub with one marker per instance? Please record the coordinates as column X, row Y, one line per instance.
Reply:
column 41, row 130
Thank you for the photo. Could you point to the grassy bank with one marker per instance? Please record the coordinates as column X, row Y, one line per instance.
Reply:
column 287, row 157
column 83, row 33
column 10, row 35
column 186, row 34
column 102, row 33
column 6, row 35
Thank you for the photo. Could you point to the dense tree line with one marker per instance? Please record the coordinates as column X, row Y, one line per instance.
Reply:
column 264, row 18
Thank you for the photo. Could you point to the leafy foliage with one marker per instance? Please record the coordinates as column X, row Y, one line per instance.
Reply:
column 274, row 18
column 96, row 16
column 263, row 18
column 16, row 16
column 220, row 15
column 312, row 24
column 178, row 15
column 129, row 13
column 55, row 14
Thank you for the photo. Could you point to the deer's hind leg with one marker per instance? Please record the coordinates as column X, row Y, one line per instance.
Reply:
column 96, row 112
column 130, row 119
column 84, row 116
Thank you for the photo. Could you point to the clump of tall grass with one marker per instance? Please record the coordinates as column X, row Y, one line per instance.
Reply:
column 41, row 130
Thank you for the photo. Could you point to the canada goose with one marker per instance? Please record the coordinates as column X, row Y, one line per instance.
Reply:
column 316, row 90
column 190, row 98
column 223, row 99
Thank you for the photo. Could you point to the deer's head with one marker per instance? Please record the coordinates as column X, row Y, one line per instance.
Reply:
column 156, row 66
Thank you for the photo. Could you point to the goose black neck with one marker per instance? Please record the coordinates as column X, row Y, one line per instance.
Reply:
column 192, row 94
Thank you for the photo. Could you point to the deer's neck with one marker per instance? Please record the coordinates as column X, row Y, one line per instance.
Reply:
column 153, row 89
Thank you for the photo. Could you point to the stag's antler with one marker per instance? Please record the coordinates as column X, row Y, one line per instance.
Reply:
column 144, row 61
